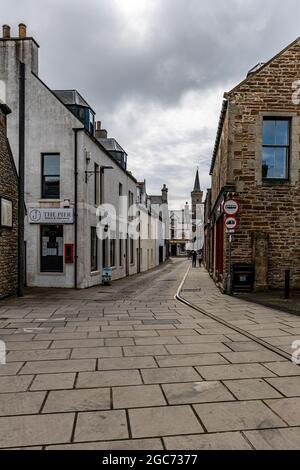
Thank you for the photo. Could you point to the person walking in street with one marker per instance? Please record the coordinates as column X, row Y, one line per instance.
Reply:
column 194, row 258
column 200, row 258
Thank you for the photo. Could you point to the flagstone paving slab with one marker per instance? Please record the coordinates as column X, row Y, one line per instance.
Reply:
column 21, row 403
column 190, row 360
column 10, row 369
column 101, row 426
column 40, row 355
column 35, row 430
column 108, row 378
column 288, row 386
column 205, row 348
column 15, row 383
column 288, row 409
column 253, row 357
column 196, row 392
column 26, row 345
column 78, row 400
column 163, row 421
column 275, row 439
column 53, row 381
column 221, row 441
column 127, row 363
column 47, row 367
column 251, row 389
column 234, row 371
column 139, row 351
column 104, row 352
column 137, row 396
column 283, row 369
column 170, row 375
column 237, row 416
column 132, row 444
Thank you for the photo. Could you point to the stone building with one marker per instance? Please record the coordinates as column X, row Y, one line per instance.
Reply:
column 256, row 160
column 8, row 213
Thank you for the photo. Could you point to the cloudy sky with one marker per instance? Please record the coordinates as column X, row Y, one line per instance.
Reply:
column 155, row 70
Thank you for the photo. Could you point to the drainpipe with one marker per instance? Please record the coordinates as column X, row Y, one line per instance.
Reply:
column 76, row 130
column 21, row 248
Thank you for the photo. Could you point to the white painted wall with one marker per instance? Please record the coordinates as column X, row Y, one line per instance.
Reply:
column 49, row 129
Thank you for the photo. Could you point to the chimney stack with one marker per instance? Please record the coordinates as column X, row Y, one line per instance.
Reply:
column 164, row 194
column 6, row 31
column 100, row 133
column 22, row 31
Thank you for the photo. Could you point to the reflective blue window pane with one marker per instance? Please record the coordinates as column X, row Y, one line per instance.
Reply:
column 51, row 176
column 269, row 132
column 51, row 165
column 282, row 133
column 276, row 132
column 274, row 165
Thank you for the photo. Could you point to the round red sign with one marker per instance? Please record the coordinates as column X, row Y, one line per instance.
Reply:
column 231, row 207
column 231, row 223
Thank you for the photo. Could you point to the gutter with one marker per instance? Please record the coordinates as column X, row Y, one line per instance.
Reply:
column 219, row 134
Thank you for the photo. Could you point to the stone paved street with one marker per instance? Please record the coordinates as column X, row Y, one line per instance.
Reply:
column 130, row 367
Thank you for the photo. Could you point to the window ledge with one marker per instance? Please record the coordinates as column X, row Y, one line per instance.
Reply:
column 95, row 273
column 271, row 182
column 52, row 274
column 51, row 200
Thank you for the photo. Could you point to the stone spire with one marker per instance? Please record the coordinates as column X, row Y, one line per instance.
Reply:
column 197, row 188
column 197, row 195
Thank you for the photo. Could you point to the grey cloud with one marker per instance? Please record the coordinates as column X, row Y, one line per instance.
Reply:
column 187, row 45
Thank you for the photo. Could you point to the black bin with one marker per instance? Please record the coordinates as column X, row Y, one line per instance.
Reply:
column 243, row 278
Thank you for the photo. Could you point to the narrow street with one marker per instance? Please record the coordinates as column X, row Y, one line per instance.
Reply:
column 130, row 367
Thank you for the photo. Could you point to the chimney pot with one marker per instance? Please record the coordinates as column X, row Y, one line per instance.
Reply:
column 101, row 133
column 6, row 31
column 98, row 125
column 22, row 31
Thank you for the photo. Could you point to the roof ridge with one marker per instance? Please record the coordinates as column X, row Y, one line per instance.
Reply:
column 265, row 64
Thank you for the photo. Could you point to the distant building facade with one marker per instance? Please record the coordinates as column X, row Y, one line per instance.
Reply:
column 179, row 232
column 160, row 209
column 256, row 161
column 8, row 212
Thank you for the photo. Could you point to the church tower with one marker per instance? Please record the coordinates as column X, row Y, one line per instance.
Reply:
column 197, row 195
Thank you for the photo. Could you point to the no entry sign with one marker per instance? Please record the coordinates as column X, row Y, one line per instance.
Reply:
column 231, row 207
column 231, row 223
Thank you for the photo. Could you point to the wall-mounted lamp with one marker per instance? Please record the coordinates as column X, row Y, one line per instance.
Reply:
column 67, row 203
column 88, row 174
column 87, row 157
